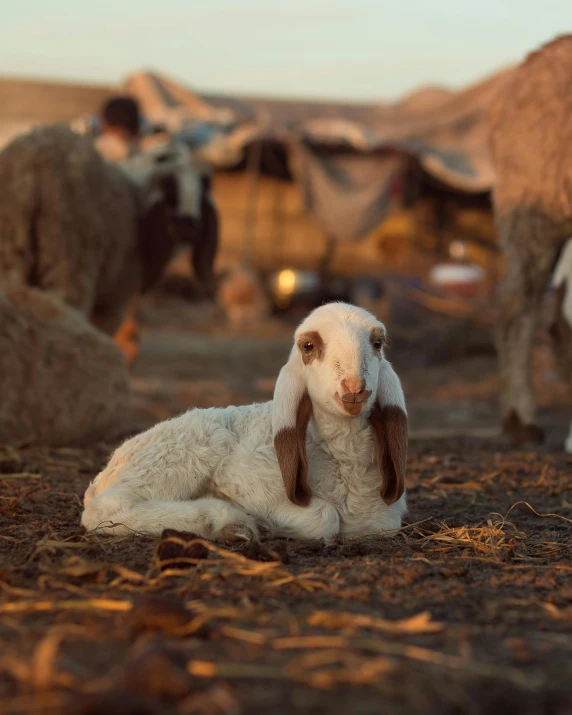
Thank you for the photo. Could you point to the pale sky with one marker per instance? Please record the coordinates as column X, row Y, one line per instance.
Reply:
column 339, row 49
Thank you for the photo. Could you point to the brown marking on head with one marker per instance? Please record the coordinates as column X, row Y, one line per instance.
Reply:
column 390, row 429
column 290, row 445
column 521, row 433
column 378, row 340
column 311, row 346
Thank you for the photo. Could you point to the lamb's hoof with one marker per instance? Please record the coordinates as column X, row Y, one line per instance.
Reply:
column 264, row 529
column 238, row 534
column 521, row 433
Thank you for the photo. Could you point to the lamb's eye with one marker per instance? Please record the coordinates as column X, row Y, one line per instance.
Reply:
column 378, row 344
column 308, row 347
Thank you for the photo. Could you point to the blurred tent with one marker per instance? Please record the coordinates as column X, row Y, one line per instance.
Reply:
column 444, row 130
column 294, row 177
column 347, row 159
column 165, row 101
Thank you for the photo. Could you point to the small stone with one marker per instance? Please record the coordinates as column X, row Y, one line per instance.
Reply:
column 254, row 551
column 10, row 460
column 157, row 673
column 155, row 613
column 176, row 550
column 519, row 649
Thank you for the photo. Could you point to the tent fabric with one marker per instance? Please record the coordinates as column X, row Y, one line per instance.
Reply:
column 446, row 131
column 348, row 194
column 344, row 157
column 165, row 100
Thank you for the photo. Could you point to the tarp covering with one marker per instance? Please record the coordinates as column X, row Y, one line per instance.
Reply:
column 446, row 131
column 343, row 157
column 348, row 193
column 165, row 100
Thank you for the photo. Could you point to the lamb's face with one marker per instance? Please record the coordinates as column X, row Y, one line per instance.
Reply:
column 341, row 348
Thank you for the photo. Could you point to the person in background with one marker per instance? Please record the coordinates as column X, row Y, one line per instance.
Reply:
column 123, row 137
column 120, row 129
column 120, row 139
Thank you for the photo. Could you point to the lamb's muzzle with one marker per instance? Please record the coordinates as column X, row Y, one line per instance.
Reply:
column 353, row 402
column 354, row 385
column 310, row 463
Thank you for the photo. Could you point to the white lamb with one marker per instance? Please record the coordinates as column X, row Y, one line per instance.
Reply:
column 326, row 456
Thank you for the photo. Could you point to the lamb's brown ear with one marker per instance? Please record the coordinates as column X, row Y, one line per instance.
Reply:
column 291, row 412
column 390, row 425
column 390, row 428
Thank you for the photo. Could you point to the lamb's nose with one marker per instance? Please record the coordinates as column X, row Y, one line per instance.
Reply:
column 353, row 385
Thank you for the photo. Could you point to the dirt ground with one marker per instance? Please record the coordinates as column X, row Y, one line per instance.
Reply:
column 467, row 610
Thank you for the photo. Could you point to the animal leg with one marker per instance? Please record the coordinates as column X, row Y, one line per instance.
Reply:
column 206, row 246
column 209, row 518
column 318, row 520
column 530, row 252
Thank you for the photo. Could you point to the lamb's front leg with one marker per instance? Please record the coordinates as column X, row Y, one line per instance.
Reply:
column 318, row 520
column 116, row 512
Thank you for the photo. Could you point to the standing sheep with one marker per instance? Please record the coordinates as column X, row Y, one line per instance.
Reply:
column 87, row 230
column 531, row 144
